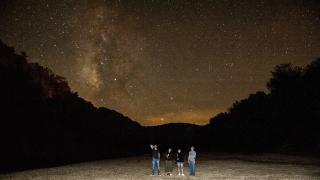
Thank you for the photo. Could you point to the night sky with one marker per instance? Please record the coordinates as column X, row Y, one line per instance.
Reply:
column 161, row 61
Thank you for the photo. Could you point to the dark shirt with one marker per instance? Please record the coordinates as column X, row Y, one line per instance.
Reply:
column 169, row 156
column 155, row 153
column 180, row 157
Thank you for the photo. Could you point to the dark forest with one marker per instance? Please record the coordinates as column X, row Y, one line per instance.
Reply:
column 44, row 123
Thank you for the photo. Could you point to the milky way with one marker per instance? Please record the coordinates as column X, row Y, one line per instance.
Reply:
column 161, row 61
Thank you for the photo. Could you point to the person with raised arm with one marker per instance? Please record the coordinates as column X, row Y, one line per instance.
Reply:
column 155, row 159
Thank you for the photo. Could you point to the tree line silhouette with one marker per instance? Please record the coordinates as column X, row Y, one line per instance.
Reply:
column 44, row 123
column 287, row 119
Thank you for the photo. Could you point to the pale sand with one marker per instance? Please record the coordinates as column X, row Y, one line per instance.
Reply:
column 209, row 166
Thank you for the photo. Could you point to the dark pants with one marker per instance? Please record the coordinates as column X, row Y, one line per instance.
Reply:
column 168, row 166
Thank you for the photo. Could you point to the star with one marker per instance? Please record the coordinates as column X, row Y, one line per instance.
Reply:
column 153, row 59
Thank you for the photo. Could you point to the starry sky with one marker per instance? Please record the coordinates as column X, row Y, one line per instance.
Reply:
column 163, row 61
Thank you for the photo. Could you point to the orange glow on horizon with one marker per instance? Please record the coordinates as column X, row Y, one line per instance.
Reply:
column 198, row 117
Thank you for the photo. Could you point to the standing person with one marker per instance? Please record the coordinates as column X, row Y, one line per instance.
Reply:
column 155, row 159
column 192, row 161
column 180, row 161
column 168, row 165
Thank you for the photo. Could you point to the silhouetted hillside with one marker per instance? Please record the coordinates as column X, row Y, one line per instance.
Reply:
column 174, row 135
column 44, row 123
column 287, row 119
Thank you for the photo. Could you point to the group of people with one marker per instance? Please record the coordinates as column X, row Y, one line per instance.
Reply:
column 170, row 158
